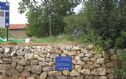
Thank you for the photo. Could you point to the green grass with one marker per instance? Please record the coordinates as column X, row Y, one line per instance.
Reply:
column 53, row 40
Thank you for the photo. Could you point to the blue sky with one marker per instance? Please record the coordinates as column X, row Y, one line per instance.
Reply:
column 17, row 18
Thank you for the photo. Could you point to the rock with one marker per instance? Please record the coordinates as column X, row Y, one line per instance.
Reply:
column 31, row 78
column 89, row 77
column 81, row 55
column 20, row 53
column 1, row 55
column 78, row 68
column 109, row 71
column 59, row 73
column 51, row 63
column 100, row 61
column 93, row 59
column 27, row 68
column 25, row 74
column 72, row 53
column 1, row 61
column 90, row 47
column 96, row 65
column 103, row 77
column 110, row 76
column 114, row 57
column 7, row 60
column 19, row 68
column 21, row 77
column 43, row 75
column 46, row 69
column 98, row 56
column 86, row 71
column 28, row 56
column 13, row 64
column 1, row 50
column 77, row 58
column 34, row 62
column 79, row 62
column 13, row 53
column 99, row 71
column 43, row 64
column 7, row 50
column 36, row 69
column 49, row 60
column 66, row 72
column 74, row 73
column 74, row 61
column 52, row 73
column 85, row 59
column 88, row 55
column 61, row 77
column 80, row 77
column 22, row 62
column 110, row 64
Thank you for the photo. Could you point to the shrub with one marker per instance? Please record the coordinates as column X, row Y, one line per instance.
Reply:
column 2, row 32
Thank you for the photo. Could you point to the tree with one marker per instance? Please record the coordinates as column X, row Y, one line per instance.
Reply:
column 107, row 19
column 46, row 17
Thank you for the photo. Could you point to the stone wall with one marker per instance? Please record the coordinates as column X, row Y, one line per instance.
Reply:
column 37, row 62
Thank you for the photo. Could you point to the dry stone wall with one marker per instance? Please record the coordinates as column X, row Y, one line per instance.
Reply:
column 38, row 62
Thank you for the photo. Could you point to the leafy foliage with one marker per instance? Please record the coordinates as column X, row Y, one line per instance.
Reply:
column 2, row 32
column 46, row 17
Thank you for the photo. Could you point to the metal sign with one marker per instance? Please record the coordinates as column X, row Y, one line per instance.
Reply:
column 63, row 63
column 4, row 14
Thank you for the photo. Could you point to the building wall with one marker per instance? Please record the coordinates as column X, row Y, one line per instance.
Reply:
column 18, row 33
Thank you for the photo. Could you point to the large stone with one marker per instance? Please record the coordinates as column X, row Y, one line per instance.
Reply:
column 103, row 77
column 7, row 50
column 74, row 73
column 20, row 53
column 99, row 71
column 45, row 69
column 77, row 58
column 52, row 73
column 80, row 77
column 93, row 59
column 85, row 59
column 110, row 76
column 28, row 56
column 61, row 77
column 86, row 71
column 100, row 61
column 31, row 78
column 44, row 64
column 21, row 77
column 89, row 77
column 114, row 57
column 25, row 73
column 1, row 50
column 80, row 62
column 78, row 68
column 72, row 53
column 110, row 64
column 43, row 75
column 36, row 69
column 34, row 62
column 66, row 72
column 7, row 60
column 22, row 62
column 1, row 61
column 13, row 64
column 88, row 55
column 19, row 68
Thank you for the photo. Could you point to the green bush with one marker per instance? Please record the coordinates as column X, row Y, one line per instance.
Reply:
column 2, row 32
column 120, row 70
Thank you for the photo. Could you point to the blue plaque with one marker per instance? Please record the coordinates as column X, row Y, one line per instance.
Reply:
column 5, row 6
column 63, row 63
